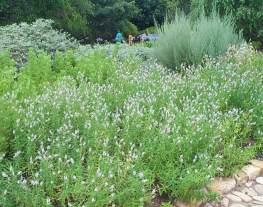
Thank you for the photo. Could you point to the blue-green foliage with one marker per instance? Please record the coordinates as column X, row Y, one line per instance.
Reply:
column 185, row 42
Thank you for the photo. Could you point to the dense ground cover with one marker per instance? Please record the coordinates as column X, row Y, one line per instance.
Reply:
column 95, row 129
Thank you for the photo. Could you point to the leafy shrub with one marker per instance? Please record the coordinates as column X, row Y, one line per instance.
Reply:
column 247, row 16
column 129, row 29
column 7, row 72
column 19, row 38
column 64, row 62
column 7, row 81
column 96, row 68
column 150, row 30
column 36, row 72
column 121, row 52
column 148, row 44
column 75, row 24
column 166, row 205
column 184, row 42
column 8, row 117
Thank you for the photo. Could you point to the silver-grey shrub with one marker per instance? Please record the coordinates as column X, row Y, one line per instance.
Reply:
column 18, row 38
column 185, row 42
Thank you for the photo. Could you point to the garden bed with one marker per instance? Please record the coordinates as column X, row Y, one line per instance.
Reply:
column 103, row 131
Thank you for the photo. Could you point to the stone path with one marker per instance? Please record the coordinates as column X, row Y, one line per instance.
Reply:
column 244, row 190
column 247, row 195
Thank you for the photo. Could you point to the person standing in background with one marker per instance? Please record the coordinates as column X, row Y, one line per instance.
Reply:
column 130, row 38
column 119, row 37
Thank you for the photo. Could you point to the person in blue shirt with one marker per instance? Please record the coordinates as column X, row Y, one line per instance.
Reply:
column 119, row 37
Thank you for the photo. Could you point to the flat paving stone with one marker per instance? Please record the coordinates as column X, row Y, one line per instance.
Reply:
column 259, row 188
column 249, row 194
column 257, row 163
column 257, row 203
column 208, row 205
column 251, row 171
column 249, row 191
column 233, row 198
column 259, row 180
column 258, row 198
column 243, row 196
column 237, row 205
column 222, row 186
column 225, row 202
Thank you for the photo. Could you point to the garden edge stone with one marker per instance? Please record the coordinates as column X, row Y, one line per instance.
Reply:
column 246, row 174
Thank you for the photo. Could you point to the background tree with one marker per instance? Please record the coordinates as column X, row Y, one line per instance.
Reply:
column 100, row 18
column 247, row 15
column 150, row 10
column 110, row 16
column 70, row 15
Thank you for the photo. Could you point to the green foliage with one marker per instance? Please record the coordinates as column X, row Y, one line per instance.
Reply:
column 89, row 19
column 247, row 16
column 38, row 36
column 118, row 51
column 185, row 42
column 97, row 68
column 150, row 10
column 150, row 30
column 99, row 130
column 148, row 44
column 7, row 71
column 166, row 205
column 64, row 62
column 129, row 29
column 77, row 27
column 110, row 16
column 36, row 72
column 70, row 15
column 7, row 116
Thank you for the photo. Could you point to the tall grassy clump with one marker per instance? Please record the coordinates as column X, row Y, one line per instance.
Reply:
column 183, row 41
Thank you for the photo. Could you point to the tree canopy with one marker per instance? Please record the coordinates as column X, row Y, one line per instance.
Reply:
column 100, row 18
